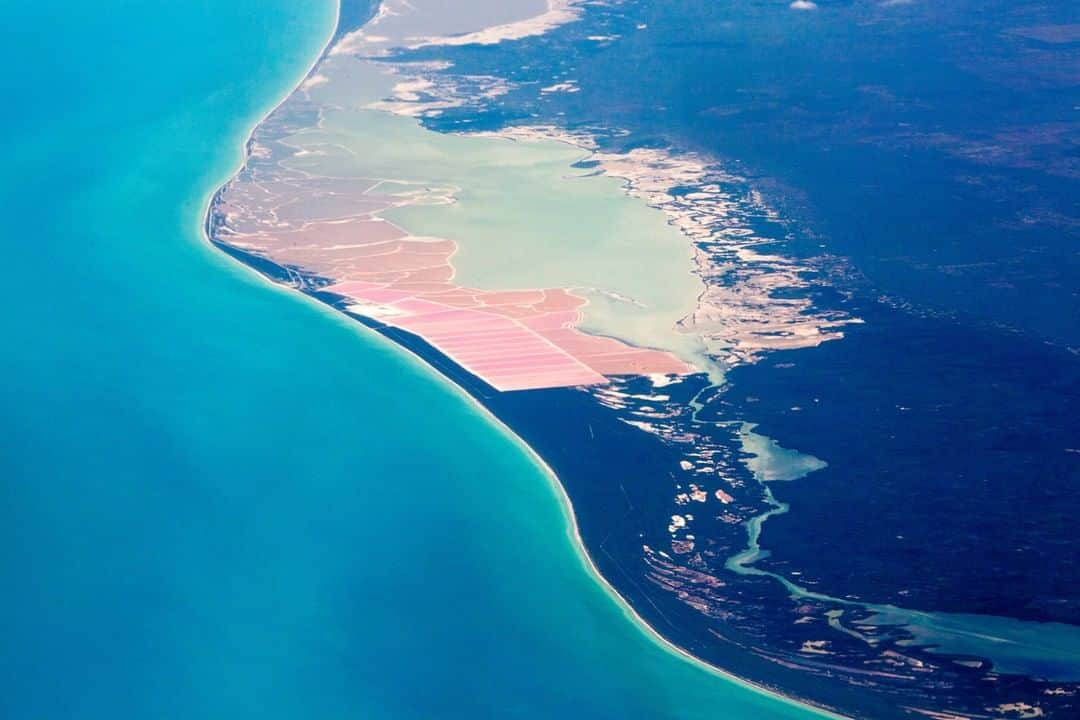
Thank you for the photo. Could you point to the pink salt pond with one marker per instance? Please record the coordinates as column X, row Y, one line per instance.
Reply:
column 511, row 340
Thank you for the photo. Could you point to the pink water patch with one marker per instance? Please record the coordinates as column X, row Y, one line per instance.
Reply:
column 513, row 340
column 499, row 349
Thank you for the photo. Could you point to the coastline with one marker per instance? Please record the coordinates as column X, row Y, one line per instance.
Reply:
column 459, row 386
column 639, row 599
column 245, row 145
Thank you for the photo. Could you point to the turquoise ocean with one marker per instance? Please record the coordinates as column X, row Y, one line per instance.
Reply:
column 220, row 499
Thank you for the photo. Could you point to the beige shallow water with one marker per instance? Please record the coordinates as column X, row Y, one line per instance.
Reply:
column 521, row 215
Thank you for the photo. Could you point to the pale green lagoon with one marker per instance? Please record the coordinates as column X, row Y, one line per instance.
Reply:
column 521, row 215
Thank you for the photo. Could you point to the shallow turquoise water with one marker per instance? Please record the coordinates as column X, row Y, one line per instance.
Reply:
column 219, row 499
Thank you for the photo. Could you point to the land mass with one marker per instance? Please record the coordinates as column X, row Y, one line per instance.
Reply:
column 613, row 381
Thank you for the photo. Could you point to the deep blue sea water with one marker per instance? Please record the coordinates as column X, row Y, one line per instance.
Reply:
column 221, row 499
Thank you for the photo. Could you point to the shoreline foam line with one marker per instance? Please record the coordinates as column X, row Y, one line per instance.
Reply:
column 245, row 153
column 572, row 528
